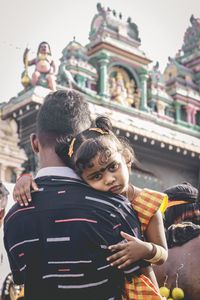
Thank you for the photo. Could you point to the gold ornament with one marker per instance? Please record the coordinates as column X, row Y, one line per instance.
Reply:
column 25, row 80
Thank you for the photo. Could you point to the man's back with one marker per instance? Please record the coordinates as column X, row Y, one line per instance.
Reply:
column 58, row 244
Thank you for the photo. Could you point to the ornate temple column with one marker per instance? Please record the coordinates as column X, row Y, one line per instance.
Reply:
column 178, row 111
column 194, row 112
column 143, row 78
column 81, row 80
column 189, row 110
column 103, row 75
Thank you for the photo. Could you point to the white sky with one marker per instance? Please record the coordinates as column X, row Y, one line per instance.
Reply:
column 161, row 24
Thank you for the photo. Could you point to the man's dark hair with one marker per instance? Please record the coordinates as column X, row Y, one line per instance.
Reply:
column 63, row 113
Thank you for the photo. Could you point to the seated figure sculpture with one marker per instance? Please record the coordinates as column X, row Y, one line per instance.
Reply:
column 117, row 89
column 44, row 66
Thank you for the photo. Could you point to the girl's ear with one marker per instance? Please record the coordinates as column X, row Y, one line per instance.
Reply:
column 128, row 158
column 34, row 143
column 129, row 165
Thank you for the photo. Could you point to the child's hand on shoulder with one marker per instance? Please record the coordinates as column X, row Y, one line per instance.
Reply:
column 22, row 189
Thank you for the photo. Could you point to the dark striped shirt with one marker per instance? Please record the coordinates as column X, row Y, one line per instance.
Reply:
column 57, row 246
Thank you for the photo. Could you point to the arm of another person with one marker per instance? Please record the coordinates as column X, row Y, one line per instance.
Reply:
column 134, row 249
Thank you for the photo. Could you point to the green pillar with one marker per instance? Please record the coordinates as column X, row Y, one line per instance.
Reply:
column 81, row 80
column 143, row 79
column 178, row 111
column 103, row 75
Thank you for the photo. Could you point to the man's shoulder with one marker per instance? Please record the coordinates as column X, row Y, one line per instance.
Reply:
column 12, row 211
column 58, row 181
column 74, row 187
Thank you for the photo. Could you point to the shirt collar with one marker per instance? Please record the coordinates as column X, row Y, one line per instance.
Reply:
column 57, row 171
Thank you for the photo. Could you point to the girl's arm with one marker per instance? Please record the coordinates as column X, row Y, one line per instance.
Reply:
column 22, row 189
column 155, row 233
column 154, row 251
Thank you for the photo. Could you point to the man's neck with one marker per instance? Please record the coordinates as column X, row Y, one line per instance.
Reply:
column 49, row 158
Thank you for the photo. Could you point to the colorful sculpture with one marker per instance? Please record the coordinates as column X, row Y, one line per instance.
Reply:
column 117, row 89
column 130, row 87
column 123, row 90
column 44, row 67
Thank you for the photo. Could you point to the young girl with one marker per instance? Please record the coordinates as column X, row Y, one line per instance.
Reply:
column 104, row 161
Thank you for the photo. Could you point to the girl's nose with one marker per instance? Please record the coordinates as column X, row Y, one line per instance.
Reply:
column 109, row 180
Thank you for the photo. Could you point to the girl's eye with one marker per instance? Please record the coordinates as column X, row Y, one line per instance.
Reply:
column 113, row 167
column 97, row 176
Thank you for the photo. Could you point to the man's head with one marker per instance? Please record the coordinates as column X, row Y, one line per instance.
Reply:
column 63, row 113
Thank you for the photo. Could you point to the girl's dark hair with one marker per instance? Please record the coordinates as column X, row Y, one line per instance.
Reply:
column 77, row 152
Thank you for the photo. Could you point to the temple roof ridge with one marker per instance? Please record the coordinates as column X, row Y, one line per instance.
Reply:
column 108, row 20
column 191, row 40
column 75, row 49
column 175, row 61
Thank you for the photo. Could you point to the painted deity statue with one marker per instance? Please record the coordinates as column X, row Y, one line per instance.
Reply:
column 118, row 90
column 130, row 87
column 44, row 66
column 123, row 90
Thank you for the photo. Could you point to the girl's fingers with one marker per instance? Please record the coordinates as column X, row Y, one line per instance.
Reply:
column 22, row 190
column 18, row 199
column 27, row 193
column 117, row 247
column 125, row 264
column 127, row 236
column 24, row 199
column 119, row 262
column 15, row 195
column 23, row 196
column 34, row 186
column 116, row 256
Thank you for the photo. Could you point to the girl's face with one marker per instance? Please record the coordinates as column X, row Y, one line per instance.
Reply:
column 111, row 176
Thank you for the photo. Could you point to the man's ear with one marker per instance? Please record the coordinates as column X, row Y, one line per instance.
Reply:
column 34, row 142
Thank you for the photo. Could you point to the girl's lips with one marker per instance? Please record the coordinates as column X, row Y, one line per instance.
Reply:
column 115, row 189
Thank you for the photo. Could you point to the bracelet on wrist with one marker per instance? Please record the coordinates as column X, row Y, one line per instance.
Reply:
column 159, row 251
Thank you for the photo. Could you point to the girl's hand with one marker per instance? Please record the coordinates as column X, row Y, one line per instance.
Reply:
column 22, row 189
column 129, row 252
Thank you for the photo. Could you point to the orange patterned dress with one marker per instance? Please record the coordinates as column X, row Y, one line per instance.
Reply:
column 146, row 204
